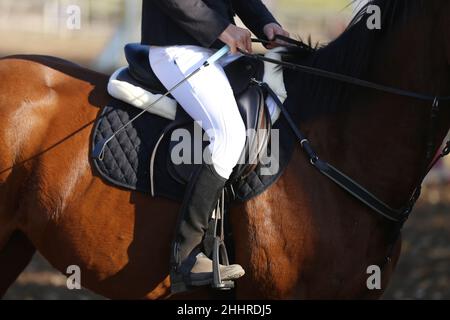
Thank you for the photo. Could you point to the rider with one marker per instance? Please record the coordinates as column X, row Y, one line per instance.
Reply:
column 182, row 35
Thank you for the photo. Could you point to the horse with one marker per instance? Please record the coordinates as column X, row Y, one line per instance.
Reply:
column 303, row 238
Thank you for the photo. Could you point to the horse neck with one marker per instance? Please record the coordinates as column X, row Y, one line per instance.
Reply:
column 380, row 140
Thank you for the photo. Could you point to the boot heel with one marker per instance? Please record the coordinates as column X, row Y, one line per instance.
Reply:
column 177, row 284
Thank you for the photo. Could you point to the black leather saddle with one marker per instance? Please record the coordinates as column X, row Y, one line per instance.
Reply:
column 250, row 99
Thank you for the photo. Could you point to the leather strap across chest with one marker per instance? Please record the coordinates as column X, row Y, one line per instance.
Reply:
column 398, row 216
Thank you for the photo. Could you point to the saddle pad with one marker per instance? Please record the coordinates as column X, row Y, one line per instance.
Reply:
column 126, row 160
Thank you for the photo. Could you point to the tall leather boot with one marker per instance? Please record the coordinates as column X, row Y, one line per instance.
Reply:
column 189, row 266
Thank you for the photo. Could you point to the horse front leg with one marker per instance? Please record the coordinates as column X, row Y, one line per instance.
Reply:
column 16, row 250
column 15, row 255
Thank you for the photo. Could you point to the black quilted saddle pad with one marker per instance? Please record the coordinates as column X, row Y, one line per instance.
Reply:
column 126, row 159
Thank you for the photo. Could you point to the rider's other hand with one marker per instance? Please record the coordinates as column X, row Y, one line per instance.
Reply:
column 271, row 30
column 236, row 37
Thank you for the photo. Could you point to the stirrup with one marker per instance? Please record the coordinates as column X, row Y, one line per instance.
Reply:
column 219, row 253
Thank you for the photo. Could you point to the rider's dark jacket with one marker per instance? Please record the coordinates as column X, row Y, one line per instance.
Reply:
column 198, row 22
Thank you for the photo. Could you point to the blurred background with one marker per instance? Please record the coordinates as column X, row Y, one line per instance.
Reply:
column 93, row 33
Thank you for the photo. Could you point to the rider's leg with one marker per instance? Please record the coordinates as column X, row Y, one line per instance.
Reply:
column 207, row 98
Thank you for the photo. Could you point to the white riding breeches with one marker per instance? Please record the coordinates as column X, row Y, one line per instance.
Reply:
column 207, row 97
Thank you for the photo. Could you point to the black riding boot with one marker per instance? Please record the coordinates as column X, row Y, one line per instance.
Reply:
column 189, row 267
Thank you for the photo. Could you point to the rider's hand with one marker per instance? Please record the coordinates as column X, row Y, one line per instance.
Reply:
column 236, row 37
column 271, row 30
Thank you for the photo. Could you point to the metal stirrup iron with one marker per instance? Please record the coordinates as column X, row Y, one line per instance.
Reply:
column 219, row 253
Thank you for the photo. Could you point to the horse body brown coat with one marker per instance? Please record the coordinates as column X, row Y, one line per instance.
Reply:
column 302, row 238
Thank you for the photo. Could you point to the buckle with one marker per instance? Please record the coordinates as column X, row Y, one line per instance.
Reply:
column 435, row 107
column 446, row 150
column 257, row 82
column 314, row 160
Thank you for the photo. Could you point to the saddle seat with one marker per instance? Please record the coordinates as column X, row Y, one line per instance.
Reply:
column 138, row 86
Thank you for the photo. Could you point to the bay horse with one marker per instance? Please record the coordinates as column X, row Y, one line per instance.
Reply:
column 303, row 238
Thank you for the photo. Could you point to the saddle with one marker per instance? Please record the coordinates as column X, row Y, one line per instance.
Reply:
column 250, row 100
column 138, row 159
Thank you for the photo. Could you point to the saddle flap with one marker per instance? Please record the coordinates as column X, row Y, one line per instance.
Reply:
column 252, row 107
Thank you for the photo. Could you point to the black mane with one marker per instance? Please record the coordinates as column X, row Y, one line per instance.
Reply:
column 350, row 54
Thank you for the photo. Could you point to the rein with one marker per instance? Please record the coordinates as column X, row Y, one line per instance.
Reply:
column 396, row 216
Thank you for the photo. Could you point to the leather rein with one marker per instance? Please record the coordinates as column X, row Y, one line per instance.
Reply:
column 396, row 216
